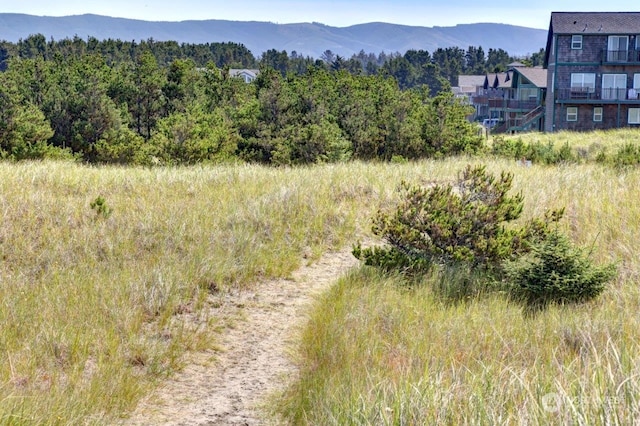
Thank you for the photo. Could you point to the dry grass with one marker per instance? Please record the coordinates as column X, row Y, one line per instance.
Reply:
column 587, row 145
column 378, row 353
column 93, row 306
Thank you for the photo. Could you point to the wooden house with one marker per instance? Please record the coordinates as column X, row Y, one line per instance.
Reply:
column 593, row 63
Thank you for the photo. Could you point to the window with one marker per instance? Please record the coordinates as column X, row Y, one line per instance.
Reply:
column 576, row 42
column 634, row 115
column 618, row 48
column 614, row 86
column 572, row 113
column 527, row 94
column 583, row 82
column 597, row 114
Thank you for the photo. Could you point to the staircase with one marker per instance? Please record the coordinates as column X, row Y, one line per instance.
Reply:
column 519, row 124
column 530, row 117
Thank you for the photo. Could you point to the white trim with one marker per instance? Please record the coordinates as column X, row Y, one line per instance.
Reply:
column 572, row 113
column 634, row 116
column 576, row 42
column 598, row 113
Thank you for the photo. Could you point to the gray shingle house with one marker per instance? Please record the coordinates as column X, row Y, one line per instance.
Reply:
column 593, row 63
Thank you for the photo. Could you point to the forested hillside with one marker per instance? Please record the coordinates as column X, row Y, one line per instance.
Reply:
column 307, row 39
column 168, row 103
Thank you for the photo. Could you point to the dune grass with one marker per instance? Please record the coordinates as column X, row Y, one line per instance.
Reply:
column 585, row 146
column 378, row 352
column 97, row 305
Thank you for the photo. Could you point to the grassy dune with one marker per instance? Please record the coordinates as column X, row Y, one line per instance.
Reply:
column 586, row 143
column 378, row 353
column 94, row 306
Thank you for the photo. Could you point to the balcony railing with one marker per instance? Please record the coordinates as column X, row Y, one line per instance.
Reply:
column 608, row 94
column 621, row 56
column 519, row 123
column 505, row 103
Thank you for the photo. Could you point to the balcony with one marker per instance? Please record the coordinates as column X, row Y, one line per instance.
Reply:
column 621, row 56
column 505, row 103
column 601, row 95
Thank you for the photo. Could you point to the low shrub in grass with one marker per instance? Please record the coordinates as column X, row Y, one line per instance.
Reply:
column 446, row 224
column 626, row 156
column 510, row 148
column 535, row 151
column 556, row 271
column 464, row 227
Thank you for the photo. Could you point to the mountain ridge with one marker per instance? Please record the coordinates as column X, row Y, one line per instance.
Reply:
column 306, row 38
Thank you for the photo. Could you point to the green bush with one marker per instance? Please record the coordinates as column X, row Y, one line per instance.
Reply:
column 123, row 146
column 99, row 205
column 444, row 224
column 627, row 155
column 196, row 136
column 556, row 271
column 462, row 228
column 536, row 152
column 510, row 148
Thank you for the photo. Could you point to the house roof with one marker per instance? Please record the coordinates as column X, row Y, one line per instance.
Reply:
column 537, row 76
column 490, row 80
column 239, row 72
column 504, row 79
column 469, row 83
column 595, row 23
column 497, row 80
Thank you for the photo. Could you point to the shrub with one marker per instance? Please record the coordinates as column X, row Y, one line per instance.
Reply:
column 196, row 136
column 462, row 228
column 123, row 146
column 510, row 148
column 99, row 205
column 444, row 224
column 556, row 271
column 536, row 151
column 627, row 155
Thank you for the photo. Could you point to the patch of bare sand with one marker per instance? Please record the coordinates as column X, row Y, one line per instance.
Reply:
column 254, row 360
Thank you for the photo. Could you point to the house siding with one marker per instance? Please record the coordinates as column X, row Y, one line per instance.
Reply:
column 613, row 116
column 591, row 49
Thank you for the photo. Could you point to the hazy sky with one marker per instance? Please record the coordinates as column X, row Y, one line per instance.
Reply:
column 341, row 13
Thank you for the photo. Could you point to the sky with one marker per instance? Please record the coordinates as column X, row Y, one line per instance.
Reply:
column 342, row 13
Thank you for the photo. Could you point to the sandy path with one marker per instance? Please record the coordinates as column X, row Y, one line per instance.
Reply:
column 254, row 360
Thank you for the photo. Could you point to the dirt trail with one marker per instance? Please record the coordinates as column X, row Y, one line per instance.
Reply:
column 254, row 360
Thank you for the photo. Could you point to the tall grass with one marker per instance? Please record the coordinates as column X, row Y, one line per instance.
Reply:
column 94, row 303
column 377, row 352
column 96, row 307
column 600, row 145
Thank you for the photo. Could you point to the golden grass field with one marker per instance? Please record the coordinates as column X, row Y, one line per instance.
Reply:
column 93, row 305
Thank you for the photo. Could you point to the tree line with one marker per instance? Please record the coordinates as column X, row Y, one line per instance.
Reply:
column 157, row 103
column 411, row 69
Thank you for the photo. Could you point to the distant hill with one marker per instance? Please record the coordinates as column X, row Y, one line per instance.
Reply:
column 307, row 39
